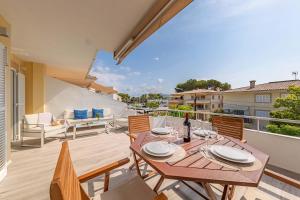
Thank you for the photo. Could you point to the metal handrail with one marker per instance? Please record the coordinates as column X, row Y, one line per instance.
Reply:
column 206, row 113
column 231, row 115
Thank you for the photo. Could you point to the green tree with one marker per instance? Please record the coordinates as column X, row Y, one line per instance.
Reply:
column 144, row 98
column 192, row 84
column 154, row 96
column 125, row 97
column 289, row 108
column 152, row 104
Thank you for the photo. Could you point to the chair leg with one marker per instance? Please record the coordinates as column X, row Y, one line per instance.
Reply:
column 22, row 140
column 74, row 132
column 66, row 134
column 42, row 139
column 137, row 165
column 106, row 128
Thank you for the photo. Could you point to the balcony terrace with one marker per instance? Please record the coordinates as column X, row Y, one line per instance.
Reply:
column 32, row 169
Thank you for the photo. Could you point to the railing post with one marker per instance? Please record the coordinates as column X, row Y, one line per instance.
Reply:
column 257, row 122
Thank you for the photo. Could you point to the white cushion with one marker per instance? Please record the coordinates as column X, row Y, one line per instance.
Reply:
column 107, row 112
column 90, row 113
column 69, row 114
column 30, row 119
column 45, row 118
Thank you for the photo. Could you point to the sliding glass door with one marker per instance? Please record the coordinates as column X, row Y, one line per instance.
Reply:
column 3, row 135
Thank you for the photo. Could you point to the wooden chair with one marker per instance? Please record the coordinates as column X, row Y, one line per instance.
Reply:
column 233, row 127
column 67, row 186
column 229, row 126
column 137, row 124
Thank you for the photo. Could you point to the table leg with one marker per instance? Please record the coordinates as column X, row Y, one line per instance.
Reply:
column 209, row 191
column 225, row 192
column 74, row 132
column 158, row 184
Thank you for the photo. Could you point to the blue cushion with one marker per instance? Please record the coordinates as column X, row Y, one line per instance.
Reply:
column 80, row 114
column 99, row 112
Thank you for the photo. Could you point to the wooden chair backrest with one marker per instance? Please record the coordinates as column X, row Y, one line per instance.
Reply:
column 65, row 184
column 229, row 126
column 138, row 124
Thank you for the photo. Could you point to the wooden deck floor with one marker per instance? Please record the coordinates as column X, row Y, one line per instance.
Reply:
column 31, row 170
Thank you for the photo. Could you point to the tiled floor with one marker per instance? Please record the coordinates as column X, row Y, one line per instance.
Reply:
column 31, row 170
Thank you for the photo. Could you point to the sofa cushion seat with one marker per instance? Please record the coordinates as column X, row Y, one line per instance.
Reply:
column 46, row 128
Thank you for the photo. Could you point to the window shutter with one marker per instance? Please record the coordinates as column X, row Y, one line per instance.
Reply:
column 3, row 143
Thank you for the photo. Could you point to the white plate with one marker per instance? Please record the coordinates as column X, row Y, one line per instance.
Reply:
column 161, row 131
column 202, row 133
column 232, row 154
column 158, row 147
column 199, row 132
column 161, row 150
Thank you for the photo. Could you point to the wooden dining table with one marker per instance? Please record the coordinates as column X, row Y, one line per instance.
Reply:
column 194, row 166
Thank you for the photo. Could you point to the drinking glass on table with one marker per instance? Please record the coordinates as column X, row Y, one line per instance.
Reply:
column 211, row 133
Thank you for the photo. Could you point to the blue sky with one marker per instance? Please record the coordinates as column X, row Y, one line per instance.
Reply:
column 228, row 40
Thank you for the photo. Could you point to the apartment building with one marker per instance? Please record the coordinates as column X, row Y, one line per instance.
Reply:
column 201, row 99
column 255, row 99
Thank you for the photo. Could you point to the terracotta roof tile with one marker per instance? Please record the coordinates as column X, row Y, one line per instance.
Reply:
column 278, row 85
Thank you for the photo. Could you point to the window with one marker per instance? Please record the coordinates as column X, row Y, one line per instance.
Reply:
column 263, row 98
column 219, row 97
column 213, row 97
column 262, row 113
column 212, row 106
column 219, row 105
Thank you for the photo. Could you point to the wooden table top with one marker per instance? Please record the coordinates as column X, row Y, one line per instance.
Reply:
column 195, row 167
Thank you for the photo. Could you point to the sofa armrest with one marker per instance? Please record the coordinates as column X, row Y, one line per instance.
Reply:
column 42, row 126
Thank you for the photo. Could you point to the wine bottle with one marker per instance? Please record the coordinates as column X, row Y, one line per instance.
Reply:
column 187, row 129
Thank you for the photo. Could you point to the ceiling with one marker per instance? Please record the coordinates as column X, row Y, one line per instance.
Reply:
column 66, row 34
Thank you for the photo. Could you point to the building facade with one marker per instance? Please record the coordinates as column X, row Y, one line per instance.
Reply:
column 201, row 99
column 255, row 99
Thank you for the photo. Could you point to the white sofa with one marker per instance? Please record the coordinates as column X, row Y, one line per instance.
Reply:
column 41, row 125
column 121, row 120
column 90, row 121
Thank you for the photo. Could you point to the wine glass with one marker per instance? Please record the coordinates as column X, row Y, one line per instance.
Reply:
column 211, row 133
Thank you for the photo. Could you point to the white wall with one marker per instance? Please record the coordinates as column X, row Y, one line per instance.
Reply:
column 60, row 95
column 283, row 150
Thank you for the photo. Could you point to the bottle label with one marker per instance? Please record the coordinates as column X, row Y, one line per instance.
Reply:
column 185, row 132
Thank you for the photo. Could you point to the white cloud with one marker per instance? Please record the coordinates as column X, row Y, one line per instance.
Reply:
column 156, row 58
column 160, row 80
column 209, row 13
column 236, row 8
column 106, row 77
column 125, row 68
column 134, row 73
